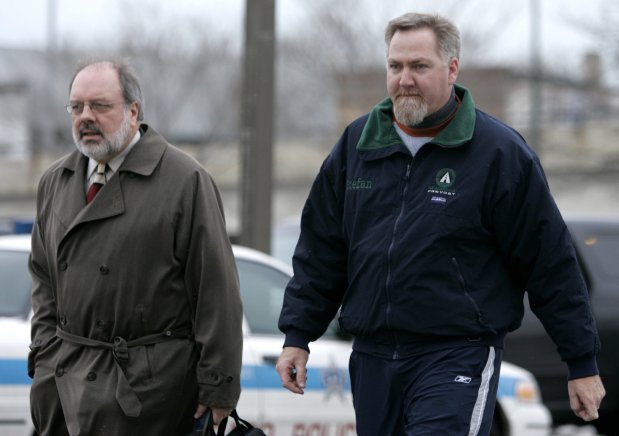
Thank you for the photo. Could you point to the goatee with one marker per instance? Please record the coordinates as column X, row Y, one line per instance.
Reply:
column 410, row 110
column 107, row 147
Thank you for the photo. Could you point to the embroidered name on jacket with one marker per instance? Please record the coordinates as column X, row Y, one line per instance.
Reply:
column 357, row 184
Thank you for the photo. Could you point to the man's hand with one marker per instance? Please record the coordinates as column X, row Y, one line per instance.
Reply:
column 218, row 413
column 585, row 396
column 291, row 368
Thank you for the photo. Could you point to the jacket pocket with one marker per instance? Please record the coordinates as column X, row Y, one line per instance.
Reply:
column 465, row 290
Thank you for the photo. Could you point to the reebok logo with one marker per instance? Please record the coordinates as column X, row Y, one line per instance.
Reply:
column 462, row 379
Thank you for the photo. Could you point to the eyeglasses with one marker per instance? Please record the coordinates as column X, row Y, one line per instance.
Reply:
column 99, row 107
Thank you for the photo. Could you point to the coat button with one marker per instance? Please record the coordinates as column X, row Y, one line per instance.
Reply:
column 62, row 266
column 100, row 323
column 91, row 376
column 59, row 372
column 63, row 320
column 103, row 269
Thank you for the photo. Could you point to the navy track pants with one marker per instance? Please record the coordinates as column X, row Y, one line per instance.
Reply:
column 445, row 392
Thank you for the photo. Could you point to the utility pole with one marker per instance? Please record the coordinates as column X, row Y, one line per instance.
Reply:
column 50, row 57
column 536, row 113
column 257, row 124
column 41, row 128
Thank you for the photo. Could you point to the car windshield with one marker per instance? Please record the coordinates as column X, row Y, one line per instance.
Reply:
column 284, row 241
column 14, row 283
column 262, row 290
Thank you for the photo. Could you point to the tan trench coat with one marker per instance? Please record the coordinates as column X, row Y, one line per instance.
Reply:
column 149, row 257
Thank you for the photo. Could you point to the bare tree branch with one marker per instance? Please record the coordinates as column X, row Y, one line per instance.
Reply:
column 188, row 72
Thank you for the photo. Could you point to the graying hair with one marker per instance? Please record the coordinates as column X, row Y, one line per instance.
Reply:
column 129, row 83
column 447, row 34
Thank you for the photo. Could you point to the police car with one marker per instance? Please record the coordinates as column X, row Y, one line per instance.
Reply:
column 324, row 410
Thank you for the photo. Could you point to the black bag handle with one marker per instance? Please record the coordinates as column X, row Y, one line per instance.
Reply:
column 243, row 427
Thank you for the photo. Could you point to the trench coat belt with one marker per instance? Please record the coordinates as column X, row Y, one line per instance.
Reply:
column 126, row 397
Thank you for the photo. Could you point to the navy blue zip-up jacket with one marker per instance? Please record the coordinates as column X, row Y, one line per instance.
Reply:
column 437, row 249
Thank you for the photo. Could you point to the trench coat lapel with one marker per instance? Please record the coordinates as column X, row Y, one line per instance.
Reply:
column 108, row 203
column 71, row 198
column 71, row 207
column 145, row 156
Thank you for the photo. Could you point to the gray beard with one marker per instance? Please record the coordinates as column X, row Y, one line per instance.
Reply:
column 108, row 147
column 410, row 111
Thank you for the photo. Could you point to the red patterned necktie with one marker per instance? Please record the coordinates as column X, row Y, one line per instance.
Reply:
column 98, row 182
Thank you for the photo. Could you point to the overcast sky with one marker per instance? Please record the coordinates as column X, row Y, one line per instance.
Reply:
column 24, row 23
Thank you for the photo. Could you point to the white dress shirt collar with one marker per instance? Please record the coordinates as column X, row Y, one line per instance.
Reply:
column 115, row 163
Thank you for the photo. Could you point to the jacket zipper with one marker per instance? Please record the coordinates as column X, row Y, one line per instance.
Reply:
column 389, row 257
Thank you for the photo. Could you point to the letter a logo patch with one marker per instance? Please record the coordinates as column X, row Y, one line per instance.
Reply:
column 445, row 177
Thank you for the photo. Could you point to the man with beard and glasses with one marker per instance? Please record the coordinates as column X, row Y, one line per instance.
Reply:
column 424, row 227
column 137, row 316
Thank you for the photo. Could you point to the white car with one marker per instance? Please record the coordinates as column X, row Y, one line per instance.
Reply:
column 324, row 410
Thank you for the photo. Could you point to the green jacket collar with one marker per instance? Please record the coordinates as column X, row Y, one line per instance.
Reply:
column 379, row 131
